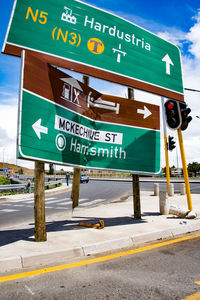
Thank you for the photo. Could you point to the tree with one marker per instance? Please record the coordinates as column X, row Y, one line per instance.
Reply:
column 194, row 167
column 21, row 171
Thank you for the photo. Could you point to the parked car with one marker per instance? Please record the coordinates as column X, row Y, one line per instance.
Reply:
column 84, row 178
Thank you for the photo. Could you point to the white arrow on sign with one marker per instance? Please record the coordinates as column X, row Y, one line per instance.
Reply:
column 168, row 62
column 38, row 128
column 146, row 112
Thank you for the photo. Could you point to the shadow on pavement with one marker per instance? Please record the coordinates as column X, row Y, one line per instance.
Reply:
column 14, row 235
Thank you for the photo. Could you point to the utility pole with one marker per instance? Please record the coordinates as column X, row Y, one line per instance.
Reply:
column 77, row 171
column 135, row 179
column 39, row 203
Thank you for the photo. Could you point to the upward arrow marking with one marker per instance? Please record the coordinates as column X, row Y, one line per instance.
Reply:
column 38, row 128
column 168, row 62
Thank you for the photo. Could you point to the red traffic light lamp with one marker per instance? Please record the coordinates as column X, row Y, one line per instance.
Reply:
column 173, row 116
column 186, row 119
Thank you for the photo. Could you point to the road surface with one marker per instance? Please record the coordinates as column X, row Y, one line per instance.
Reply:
column 159, row 273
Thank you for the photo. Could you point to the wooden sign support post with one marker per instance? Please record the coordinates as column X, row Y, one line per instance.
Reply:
column 135, row 179
column 39, row 206
column 77, row 171
column 75, row 187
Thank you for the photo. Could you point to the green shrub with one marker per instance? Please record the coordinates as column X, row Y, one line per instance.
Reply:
column 4, row 180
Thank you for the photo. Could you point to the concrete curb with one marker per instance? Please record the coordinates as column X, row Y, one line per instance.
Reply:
column 52, row 257
column 11, row 263
column 107, row 246
column 151, row 236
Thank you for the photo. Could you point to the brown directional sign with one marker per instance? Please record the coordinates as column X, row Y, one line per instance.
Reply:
column 62, row 89
column 61, row 120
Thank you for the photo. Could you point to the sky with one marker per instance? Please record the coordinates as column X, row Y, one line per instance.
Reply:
column 175, row 21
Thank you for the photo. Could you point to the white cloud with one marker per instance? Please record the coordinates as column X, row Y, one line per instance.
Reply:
column 176, row 37
column 194, row 37
column 191, row 79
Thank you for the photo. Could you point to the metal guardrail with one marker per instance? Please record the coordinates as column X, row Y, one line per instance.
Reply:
column 12, row 186
column 25, row 185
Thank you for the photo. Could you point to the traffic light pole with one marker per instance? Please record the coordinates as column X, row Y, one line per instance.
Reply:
column 185, row 171
column 165, row 142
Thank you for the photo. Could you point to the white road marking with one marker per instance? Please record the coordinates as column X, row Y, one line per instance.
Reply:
column 8, row 210
column 92, row 202
column 29, row 290
column 60, row 208
column 83, row 199
column 29, row 201
column 55, row 201
column 51, row 198
column 61, row 202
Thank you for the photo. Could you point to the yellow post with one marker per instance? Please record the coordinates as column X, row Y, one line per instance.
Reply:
column 185, row 171
column 165, row 142
column 167, row 163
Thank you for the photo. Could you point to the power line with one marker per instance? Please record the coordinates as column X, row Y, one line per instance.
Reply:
column 192, row 90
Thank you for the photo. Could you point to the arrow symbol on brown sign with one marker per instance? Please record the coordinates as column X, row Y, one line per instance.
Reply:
column 145, row 112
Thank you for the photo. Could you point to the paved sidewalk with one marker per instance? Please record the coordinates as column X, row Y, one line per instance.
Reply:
column 67, row 240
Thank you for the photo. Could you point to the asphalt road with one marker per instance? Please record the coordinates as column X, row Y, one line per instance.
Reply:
column 162, row 273
column 91, row 193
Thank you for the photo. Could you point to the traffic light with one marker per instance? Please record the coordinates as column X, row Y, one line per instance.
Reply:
column 173, row 116
column 184, row 115
column 171, row 143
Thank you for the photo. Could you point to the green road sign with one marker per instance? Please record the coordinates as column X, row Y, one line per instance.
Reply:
column 52, row 133
column 63, row 121
column 81, row 37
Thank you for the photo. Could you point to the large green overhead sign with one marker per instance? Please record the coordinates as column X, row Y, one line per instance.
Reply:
column 78, row 36
column 63, row 121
